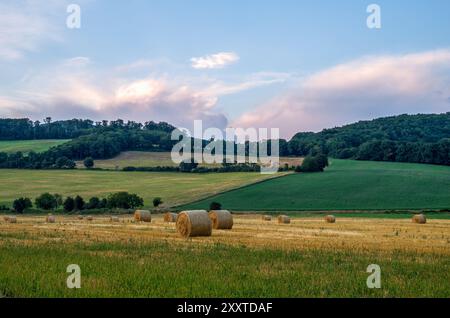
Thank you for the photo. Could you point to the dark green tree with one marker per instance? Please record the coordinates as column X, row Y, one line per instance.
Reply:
column 21, row 204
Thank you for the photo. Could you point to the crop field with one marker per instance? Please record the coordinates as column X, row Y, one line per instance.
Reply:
column 345, row 185
column 307, row 258
column 173, row 188
column 26, row 146
column 154, row 159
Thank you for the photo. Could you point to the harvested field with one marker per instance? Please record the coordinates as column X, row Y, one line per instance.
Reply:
column 255, row 252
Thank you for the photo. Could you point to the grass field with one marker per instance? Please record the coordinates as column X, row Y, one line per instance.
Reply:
column 346, row 185
column 26, row 146
column 308, row 258
column 154, row 159
column 173, row 188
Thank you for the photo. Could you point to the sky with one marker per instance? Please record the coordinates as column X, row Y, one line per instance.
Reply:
column 293, row 65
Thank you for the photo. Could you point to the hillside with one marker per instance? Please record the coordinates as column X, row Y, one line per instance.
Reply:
column 345, row 185
column 26, row 146
column 174, row 188
column 405, row 138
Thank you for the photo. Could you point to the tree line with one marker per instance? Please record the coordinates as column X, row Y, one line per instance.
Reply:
column 405, row 138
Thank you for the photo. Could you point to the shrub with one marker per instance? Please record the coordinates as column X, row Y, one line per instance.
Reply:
column 88, row 162
column 157, row 202
column 59, row 199
column 79, row 203
column 69, row 204
column 215, row 206
column 46, row 201
column 22, row 204
column 124, row 200
column 93, row 203
column 188, row 166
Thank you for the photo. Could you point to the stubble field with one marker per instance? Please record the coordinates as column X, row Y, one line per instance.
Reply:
column 308, row 258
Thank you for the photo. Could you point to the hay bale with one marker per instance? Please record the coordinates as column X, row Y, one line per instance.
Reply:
column 114, row 219
column 143, row 216
column 6, row 218
column 89, row 218
column 80, row 217
column 170, row 217
column 12, row 219
column 194, row 223
column 330, row 219
column 267, row 218
column 419, row 219
column 221, row 219
column 284, row 219
column 50, row 218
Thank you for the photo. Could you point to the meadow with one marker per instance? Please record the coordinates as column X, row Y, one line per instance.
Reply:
column 308, row 258
column 154, row 159
column 345, row 185
column 173, row 188
column 26, row 146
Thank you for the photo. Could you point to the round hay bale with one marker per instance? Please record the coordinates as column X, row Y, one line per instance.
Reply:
column 221, row 219
column 80, row 217
column 50, row 219
column 267, row 218
column 419, row 219
column 89, row 218
column 330, row 219
column 194, row 223
column 170, row 217
column 6, row 218
column 143, row 216
column 12, row 219
column 284, row 219
column 114, row 219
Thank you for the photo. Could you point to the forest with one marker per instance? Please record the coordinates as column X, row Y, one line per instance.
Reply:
column 423, row 138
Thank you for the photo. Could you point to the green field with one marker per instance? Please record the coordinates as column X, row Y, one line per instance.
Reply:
column 173, row 188
column 153, row 159
column 26, row 146
column 346, row 185
column 169, row 270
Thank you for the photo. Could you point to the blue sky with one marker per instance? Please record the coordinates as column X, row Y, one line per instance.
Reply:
column 134, row 59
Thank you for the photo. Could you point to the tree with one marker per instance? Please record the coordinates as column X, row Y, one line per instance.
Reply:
column 22, row 204
column 79, row 203
column 46, row 201
column 124, row 200
column 69, row 204
column 93, row 203
column 188, row 166
column 215, row 206
column 157, row 202
column 59, row 199
column 88, row 162
column 313, row 164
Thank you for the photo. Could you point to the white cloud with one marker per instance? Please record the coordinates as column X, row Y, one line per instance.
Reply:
column 25, row 25
column 219, row 60
column 75, row 88
column 362, row 89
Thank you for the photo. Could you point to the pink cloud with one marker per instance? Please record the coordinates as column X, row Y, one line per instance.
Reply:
column 362, row 89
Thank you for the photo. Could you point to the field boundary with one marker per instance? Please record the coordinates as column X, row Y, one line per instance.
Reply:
column 234, row 189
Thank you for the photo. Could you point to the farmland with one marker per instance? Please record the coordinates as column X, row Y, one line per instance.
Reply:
column 174, row 188
column 307, row 258
column 26, row 146
column 154, row 159
column 346, row 185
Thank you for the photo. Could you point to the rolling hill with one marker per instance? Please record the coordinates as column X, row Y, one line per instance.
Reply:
column 26, row 146
column 345, row 185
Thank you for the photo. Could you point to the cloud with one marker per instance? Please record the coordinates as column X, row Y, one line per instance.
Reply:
column 366, row 88
column 214, row 61
column 25, row 25
column 75, row 87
